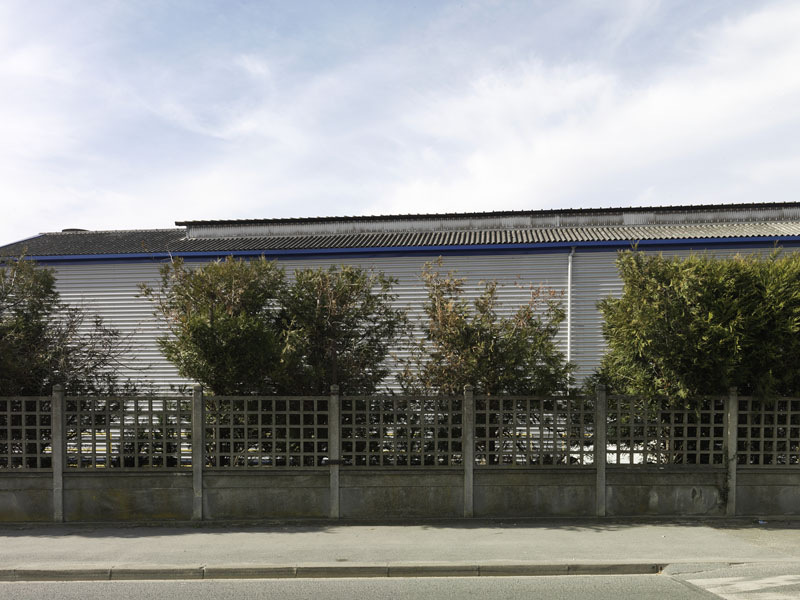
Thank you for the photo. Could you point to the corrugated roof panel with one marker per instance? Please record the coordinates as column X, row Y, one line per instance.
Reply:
column 498, row 220
column 161, row 241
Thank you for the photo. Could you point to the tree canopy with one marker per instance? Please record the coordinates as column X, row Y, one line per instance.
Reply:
column 686, row 327
column 240, row 327
column 224, row 323
column 470, row 343
column 340, row 325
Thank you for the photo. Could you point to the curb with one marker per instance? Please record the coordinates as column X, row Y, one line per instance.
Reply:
column 331, row 571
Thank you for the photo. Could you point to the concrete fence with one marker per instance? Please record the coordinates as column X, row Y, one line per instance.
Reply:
column 231, row 458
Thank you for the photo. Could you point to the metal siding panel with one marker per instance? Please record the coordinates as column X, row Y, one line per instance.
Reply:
column 594, row 276
column 111, row 291
column 514, row 273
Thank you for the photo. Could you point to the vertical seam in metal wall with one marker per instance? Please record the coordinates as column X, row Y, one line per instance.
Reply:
column 569, row 303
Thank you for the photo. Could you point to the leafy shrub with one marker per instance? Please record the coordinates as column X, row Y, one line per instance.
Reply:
column 469, row 343
column 239, row 327
column 686, row 327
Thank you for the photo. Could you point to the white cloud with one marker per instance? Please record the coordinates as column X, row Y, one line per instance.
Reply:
column 253, row 65
column 475, row 107
column 582, row 135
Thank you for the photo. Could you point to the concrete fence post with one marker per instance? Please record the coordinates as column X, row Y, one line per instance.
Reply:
column 468, row 449
column 600, row 423
column 334, row 449
column 731, row 449
column 198, row 451
column 58, row 445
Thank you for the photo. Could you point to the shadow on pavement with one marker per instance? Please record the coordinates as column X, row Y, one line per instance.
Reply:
column 141, row 530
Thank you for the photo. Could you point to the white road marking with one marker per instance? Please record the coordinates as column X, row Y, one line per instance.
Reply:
column 730, row 587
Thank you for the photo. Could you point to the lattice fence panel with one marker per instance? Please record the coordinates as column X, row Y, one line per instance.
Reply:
column 400, row 431
column 128, row 432
column 769, row 432
column 677, row 436
column 25, row 433
column 258, row 432
column 530, row 431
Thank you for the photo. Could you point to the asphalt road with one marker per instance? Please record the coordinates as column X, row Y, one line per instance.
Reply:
column 597, row 587
column 750, row 581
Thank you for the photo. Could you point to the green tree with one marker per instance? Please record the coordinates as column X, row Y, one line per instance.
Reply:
column 471, row 344
column 224, row 323
column 238, row 327
column 44, row 342
column 696, row 326
column 339, row 326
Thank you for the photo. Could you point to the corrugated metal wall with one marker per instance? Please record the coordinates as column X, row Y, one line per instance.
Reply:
column 594, row 276
column 111, row 290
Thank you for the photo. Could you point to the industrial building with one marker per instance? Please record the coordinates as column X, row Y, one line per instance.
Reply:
column 572, row 251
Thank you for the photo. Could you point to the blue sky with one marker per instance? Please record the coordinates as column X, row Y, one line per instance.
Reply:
column 135, row 114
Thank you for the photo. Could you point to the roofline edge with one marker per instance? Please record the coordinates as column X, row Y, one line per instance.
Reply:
column 461, row 249
column 490, row 214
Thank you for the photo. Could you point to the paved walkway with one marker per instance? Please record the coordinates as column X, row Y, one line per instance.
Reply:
column 347, row 550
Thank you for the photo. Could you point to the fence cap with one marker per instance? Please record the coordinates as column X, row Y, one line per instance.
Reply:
column 334, row 389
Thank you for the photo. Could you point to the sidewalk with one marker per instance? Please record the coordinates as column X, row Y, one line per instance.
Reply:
column 364, row 550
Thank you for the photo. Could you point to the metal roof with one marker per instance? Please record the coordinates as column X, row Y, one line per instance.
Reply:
column 693, row 209
column 161, row 241
column 512, row 221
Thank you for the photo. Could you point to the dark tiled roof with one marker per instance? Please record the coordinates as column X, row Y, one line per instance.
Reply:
column 175, row 241
column 96, row 242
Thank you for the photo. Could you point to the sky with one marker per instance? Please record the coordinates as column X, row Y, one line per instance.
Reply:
column 135, row 114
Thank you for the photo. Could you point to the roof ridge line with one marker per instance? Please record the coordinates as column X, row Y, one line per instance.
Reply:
column 88, row 231
column 503, row 213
